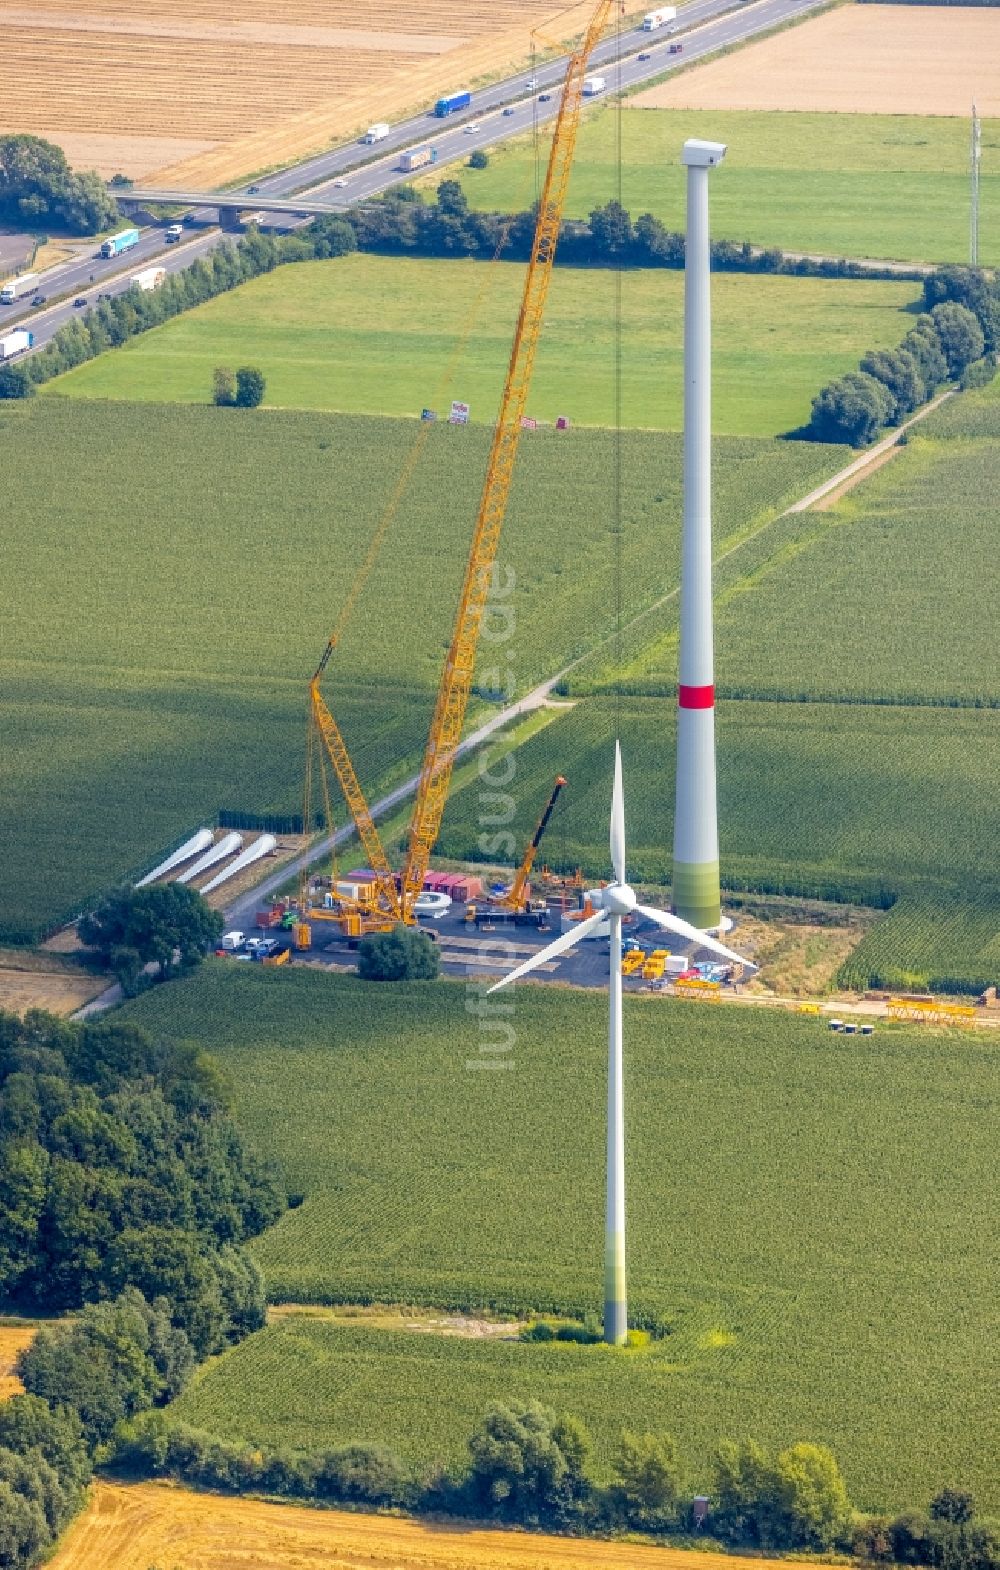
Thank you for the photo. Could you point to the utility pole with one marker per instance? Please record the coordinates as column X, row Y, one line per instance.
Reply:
column 976, row 155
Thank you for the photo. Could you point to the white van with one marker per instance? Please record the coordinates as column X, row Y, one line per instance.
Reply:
column 232, row 942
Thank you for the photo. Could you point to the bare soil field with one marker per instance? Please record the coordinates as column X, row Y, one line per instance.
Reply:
column 131, row 1528
column 188, row 92
column 860, row 59
column 13, row 1339
column 31, row 979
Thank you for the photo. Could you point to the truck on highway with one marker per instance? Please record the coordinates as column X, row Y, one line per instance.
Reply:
column 15, row 343
column 416, row 158
column 115, row 244
column 376, row 133
column 174, row 233
column 449, row 105
column 659, row 18
column 592, row 85
column 149, row 278
column 15, row 287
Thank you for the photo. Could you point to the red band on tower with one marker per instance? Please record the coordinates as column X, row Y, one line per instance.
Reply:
column 695, row 697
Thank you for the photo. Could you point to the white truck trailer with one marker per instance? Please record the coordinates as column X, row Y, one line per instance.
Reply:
column 659, row 18
column 592, row 85
column 14, row 288
column 149, row 278
column 15, row 343
column 377, row 132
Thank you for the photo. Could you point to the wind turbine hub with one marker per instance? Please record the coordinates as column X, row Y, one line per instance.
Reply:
column 619, row 899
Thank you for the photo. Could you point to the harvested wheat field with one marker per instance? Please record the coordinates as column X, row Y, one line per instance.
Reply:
column 60, row 992
column 131, row 1528
column 861, row 59
column 13, row 1339
column 184, row 89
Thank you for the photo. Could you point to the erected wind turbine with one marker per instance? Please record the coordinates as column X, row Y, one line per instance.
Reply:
column 615, row 901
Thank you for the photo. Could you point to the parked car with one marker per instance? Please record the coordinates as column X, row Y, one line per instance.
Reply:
column 266, row 948
column 81, row 299
column 39, row 299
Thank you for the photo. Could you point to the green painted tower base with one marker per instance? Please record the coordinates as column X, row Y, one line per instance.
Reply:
column 696, row 894
column 615, row 1305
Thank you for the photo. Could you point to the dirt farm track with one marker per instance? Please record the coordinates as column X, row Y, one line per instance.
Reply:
column 200, row 93
column 861, row 59
column 132, row 1528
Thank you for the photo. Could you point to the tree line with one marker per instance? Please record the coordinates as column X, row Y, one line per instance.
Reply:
column 38, row 186
column 529, row 1465
column 125, row 1195
column 953, row 340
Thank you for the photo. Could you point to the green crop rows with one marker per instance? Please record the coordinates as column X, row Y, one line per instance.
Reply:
column 834, row 799
column 824, row 1203
column 933, row 938
column 378, row 335
column 179, row 572
column 836, row 184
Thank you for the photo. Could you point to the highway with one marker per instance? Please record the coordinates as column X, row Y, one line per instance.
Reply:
column 357, row 173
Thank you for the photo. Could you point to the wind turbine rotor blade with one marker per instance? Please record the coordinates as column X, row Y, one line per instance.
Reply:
column 558, row 946
column 683, row 929
column 618, row 820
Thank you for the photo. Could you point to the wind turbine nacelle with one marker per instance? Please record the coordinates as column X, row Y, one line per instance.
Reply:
column 594, row 897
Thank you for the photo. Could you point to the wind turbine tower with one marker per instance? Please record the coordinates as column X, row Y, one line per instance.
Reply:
column 976, row 156
column 696, row 895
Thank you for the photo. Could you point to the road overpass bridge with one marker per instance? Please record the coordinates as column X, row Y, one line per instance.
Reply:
column 229, row 204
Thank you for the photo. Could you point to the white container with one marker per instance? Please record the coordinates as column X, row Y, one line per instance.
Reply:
column 15, row 343
column 149, row 278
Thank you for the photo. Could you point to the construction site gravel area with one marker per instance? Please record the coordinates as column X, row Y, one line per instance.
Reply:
column 190, row 93
column 856, row 59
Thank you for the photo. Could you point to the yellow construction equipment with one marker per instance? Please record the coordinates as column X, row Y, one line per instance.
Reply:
column 394, row 899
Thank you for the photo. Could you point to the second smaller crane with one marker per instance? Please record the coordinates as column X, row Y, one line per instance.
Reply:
column 514, row 899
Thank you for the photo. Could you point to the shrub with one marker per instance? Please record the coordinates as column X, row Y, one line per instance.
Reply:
column 528, row 1464
column 851, row 409
column 979, row 374
column 959, row 334
column 250, row 387
column 648, row 1478
column 404, row 954
column 479, row 159
column 223, row 387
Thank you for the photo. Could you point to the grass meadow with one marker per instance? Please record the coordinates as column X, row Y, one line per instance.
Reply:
column 810, row 1219
column 377, row 335
column 180, row 570
column 893, row 186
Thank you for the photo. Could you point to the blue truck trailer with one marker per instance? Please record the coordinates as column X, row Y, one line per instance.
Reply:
column 124, row 240
column 447, row 106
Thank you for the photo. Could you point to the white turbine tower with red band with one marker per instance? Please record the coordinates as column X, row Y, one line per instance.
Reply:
column 696, row 895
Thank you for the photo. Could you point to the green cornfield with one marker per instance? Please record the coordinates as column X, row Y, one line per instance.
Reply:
column 810, row 1218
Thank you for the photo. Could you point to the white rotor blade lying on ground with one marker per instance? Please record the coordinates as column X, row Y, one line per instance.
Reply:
column 618, row 820
column 684, row 929
column 559, row 946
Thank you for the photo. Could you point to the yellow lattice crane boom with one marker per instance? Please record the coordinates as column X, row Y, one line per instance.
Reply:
column 396, row 903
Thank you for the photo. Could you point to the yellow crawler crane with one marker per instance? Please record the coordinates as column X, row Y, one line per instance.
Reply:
column 393, row 899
